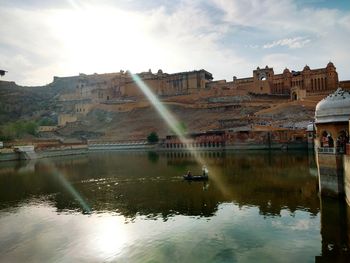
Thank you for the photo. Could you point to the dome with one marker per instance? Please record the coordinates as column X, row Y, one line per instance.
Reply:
column 334, row 108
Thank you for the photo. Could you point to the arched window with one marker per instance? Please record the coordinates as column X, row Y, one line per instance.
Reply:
column 342, row 140
column 326, row 139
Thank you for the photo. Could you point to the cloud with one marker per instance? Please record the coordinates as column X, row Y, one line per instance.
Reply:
column 225, row 37
column 311, row 34
column 296, row 42
column 27, row 48
column 99, row 39
column 297, row 225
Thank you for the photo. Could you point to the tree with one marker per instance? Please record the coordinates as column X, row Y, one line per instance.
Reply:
column 153, row 137
column 18, row 129
column 46, row 122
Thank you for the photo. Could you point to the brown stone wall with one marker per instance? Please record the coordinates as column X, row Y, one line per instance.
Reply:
column 168, row 84
column 345, row 84
column 316, row 81
column 63, row 119
column 82, row 108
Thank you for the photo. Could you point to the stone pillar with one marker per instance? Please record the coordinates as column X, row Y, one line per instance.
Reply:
column 330, row 174
column 347, row 177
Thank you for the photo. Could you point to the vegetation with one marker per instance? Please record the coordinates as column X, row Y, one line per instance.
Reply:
column 47, row 122
column 18, row 129
column 182, row 127
column 153, row 137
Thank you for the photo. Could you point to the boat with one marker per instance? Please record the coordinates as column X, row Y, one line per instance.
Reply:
column 195, row 177
column 203, row 177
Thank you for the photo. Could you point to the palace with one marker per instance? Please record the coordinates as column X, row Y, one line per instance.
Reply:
column 119, row 87
column 295, row 85
column 121, row 84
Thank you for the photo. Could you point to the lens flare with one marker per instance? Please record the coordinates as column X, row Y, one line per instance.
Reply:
column 172, row 122
column 169, row 118
column 68, row 186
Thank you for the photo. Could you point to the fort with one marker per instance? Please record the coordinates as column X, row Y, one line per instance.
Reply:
column 98, row 88
column 111, row 106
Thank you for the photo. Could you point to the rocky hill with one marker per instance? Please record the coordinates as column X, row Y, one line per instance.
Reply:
column 135, row 120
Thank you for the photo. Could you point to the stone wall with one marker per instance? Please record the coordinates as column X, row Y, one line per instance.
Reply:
column 313, row 81
column 331, row 174
column 63, row 119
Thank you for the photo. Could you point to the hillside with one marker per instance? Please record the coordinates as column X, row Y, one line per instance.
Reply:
column 136, row 119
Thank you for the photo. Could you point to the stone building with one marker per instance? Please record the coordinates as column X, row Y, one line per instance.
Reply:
column 210, row 140
column 296, row 84
column 120, row 87
column 240, row 139
column 105, row 87
column 100, row 88
column 332, row 121
column 63, row 119
column 164, row 84
column 97, row 87
column 332, row 136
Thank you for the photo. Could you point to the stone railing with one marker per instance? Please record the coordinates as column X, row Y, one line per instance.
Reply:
column 331, row 150
column 118, row 143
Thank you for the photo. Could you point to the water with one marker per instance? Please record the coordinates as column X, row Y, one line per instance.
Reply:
column 135, row 207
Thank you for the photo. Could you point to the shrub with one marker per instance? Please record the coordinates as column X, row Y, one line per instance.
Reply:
column 153, row 137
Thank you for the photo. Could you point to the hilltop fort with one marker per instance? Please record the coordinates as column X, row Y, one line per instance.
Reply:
column 111, row 105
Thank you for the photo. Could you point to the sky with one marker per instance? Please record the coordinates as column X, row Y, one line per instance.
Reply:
column 41, row 39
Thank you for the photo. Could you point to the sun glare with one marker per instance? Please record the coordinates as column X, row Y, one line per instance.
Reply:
column 110, row 237
column 95, row 38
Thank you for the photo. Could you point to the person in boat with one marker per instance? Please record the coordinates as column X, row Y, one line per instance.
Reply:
column 189, row 174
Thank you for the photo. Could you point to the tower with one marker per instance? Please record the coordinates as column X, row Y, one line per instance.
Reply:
column 332, row 77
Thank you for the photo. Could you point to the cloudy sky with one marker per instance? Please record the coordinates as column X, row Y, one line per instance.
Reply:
column 41, row 39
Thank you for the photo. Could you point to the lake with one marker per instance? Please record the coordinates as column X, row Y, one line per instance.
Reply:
column 257, row 206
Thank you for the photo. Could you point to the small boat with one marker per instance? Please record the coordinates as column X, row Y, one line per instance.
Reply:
column 203, row 177
column 195, row 177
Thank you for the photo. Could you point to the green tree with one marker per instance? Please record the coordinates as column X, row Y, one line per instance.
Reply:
column 153, row 137
column 46, row 122
column 17, row 129
column 31, row 127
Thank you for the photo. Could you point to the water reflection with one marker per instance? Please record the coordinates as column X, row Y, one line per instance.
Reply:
column 335, row 231
column 142, row 210
column 150, row 184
